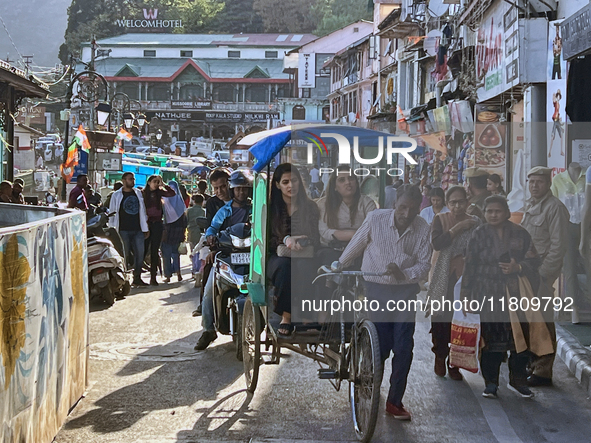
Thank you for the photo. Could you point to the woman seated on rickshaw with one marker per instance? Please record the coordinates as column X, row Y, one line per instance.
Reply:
column 342, row 212
column 294, row 240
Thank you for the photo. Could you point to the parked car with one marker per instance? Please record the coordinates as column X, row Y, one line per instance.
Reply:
column 135, row 144
column 220, row 156
column 179, row 144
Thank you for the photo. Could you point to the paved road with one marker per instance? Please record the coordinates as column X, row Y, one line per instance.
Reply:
column 148, row 385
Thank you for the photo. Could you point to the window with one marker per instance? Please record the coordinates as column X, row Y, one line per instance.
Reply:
column 159, row 92
column 271, row 54
column 224, row 93
column 191, row 92
column 233, row 54
column 149, row 53
column 188, row 54
column 306, row 93
column 298, row 113
column 257, row 93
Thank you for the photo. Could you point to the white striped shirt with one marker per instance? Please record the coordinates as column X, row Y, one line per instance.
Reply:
column 379, row 242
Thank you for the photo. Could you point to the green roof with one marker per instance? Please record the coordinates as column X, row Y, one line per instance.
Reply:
column 163, row 39
column 213, row 68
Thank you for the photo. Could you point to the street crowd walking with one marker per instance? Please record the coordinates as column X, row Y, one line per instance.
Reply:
column 462, row 242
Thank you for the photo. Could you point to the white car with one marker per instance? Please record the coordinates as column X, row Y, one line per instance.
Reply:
column 220, row 156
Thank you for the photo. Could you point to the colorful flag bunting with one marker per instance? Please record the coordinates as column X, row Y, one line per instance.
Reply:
column 81, row 139
column 123, row 134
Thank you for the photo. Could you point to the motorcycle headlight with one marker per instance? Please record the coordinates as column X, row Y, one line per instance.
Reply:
column 240, row 243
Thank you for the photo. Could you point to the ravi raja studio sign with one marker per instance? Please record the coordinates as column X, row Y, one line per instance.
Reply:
column 149, row 22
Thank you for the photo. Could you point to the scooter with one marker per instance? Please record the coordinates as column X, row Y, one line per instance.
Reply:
column 107, row 274
column 231, row 268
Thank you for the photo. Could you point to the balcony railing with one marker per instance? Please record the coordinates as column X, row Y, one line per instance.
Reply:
column 153, row 105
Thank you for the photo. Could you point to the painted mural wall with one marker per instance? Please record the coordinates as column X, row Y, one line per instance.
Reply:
column 43, row 324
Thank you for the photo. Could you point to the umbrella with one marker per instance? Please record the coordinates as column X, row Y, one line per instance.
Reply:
column 199, row 170
column 265, row 145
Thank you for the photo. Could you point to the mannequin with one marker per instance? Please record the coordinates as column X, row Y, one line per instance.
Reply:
column 574, row 171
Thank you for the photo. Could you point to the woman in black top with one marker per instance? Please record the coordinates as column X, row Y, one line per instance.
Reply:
column 294, row 223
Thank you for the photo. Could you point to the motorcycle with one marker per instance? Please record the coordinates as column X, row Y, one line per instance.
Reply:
column 231, row 268
column 107, row 274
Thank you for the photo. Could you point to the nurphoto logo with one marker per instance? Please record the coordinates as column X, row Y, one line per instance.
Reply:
column 393, row 145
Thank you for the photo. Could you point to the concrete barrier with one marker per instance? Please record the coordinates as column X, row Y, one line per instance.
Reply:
column 43, row 319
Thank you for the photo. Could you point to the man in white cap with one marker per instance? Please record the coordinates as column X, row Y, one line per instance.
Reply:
column 546, row 220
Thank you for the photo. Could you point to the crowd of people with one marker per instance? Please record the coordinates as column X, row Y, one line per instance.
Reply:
column 461, row 240
column 12, row 192
column 462, row 237
column 153, row 222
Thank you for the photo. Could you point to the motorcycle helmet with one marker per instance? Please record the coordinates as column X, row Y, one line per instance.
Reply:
column 241, row 179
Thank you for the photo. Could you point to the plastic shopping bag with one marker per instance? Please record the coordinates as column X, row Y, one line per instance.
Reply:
column 465, row 338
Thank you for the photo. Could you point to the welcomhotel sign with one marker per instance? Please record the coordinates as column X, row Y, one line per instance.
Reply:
column 149, row 22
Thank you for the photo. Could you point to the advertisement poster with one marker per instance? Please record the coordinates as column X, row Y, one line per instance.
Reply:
column 490, row 140
column 497, row 50
column 556, row 101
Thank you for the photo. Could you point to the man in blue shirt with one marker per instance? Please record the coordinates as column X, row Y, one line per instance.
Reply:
column 236, row 211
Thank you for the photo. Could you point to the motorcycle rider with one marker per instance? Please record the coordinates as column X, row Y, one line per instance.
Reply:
column 237, row 210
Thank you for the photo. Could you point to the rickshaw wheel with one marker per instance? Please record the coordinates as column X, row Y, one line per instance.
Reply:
column 366, row 378
column 251, row 344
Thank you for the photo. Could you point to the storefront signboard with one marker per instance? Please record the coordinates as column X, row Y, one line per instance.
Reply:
column 214, row 117
column 490, row 140
column 497, row 50
column 190, row 104
column 307, row 70
column 576, row 33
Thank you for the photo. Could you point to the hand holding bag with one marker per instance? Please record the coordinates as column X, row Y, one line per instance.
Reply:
column 465, row 337
column 183, row 250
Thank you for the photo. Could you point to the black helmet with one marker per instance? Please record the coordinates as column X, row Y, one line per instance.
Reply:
column 241, row 179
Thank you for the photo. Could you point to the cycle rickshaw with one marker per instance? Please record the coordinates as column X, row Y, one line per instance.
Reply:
column 345, row 350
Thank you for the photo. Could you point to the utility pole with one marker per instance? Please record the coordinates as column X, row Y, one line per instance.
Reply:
column 28, row 61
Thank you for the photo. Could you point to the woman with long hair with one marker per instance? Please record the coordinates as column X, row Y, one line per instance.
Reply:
column 501, row 266
column 294, row 239
column 343, row 209
column 450, row 233
column 494, row 185
column 153, row 192
column 175, row 228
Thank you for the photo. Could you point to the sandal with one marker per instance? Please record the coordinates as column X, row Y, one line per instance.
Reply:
column 285, row 327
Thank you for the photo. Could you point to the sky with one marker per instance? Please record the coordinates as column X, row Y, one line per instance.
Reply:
column 37, row 28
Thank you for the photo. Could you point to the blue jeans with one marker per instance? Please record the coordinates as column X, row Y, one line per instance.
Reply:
column 395, row 336
column 134, row 241
column 207, row 304
column 171, row 259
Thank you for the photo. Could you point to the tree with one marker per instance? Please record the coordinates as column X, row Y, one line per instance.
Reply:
column 236, row 16
column 336, row 14
column 286, row 16
column 99, row 18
